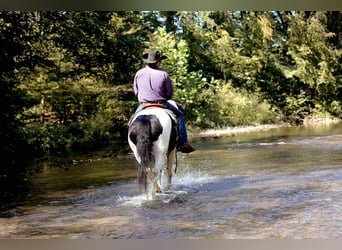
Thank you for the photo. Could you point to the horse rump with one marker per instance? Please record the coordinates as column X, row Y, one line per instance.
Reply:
column 143, row 131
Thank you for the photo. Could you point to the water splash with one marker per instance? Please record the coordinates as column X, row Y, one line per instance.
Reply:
column 135, row 201
column 182, row 183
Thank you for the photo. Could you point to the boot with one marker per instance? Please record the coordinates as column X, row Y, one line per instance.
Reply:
column 186, row 148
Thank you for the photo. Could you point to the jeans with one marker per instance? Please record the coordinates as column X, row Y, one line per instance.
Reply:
column 182, row 134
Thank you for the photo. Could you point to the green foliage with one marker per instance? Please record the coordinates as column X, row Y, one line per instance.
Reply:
column 192, row 89
column 86, row 55
column 62, row 102
column 199, row 96
column 48, row 139
column 313, row 62
column 209, row 103
column 238, row 107
column 285, row 56
column 109, row 124
column 16, row 33
column 82, row 131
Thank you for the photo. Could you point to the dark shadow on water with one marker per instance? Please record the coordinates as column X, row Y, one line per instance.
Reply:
column 13, row 192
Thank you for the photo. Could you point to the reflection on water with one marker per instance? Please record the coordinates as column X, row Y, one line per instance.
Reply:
column 284, row 183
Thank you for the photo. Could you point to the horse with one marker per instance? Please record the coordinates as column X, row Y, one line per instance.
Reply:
column 152, row 136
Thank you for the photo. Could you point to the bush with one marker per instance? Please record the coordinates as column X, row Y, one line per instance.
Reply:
column 105, row 127
column 237, row 107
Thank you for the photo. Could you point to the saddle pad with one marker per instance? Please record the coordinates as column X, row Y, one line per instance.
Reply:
column 168, row 111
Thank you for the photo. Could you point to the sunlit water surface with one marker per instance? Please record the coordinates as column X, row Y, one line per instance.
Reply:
column 282, row 183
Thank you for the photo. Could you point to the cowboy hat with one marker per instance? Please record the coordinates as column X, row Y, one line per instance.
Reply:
column 153, row 56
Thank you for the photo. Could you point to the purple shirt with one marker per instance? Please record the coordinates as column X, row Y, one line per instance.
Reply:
column 151, row 85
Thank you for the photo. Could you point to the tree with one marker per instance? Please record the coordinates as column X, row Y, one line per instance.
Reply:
column 88, row 53
column 287, row 56
column 311, row 64
column 16, row 36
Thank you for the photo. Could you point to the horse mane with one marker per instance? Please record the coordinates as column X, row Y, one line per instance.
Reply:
column 145, row 129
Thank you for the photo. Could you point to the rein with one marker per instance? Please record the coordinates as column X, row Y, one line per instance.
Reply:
column 176, row 163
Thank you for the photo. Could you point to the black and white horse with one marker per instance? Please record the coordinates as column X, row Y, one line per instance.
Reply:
column 152, row 137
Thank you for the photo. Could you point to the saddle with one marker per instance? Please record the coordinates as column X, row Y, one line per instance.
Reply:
column 157, row 105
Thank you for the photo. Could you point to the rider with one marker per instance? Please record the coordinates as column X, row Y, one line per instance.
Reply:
column 153, row 85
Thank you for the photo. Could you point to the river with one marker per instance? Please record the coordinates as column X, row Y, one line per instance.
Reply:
column 283, row 183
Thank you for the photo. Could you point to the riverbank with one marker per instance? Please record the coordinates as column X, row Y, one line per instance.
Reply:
column 232, row 131
column 121, row 149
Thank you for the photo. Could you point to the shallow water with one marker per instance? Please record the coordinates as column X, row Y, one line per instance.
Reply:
column 282, row 183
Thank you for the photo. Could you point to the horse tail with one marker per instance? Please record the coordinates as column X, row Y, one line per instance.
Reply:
column 144, row 145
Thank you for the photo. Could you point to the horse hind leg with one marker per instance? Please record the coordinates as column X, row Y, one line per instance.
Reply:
column 152, row 179
column 159, row 181
column 170, row 166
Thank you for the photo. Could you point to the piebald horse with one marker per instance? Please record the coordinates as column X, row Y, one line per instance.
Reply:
column 152, row 137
